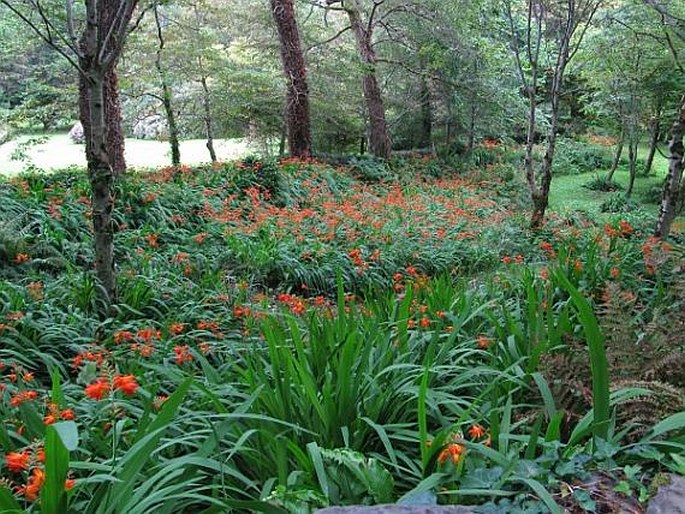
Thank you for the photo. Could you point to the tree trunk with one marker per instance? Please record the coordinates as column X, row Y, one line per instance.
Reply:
column 207, row 106
column 379, row 140
column 426, row 115
column 114, row 131
column 617, row 156
column 283, row 140
column 297, row 96
column 541, row 198
column 673, row 184
column 167, row 97
column 654, row 130
column 101, row 175
column 528, row 163
column 471, row 135
column 632, row 158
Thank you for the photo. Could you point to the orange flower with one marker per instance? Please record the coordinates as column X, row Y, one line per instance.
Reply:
column 182, row 354
column 34, row 485
column 615, row 272
column 68, row 414
column 17, row 461
column 476, row 432
column 483, row 342
column 69, row 484
column 50, row 419
column 152, row 240
column 452, row 451
column 176, row 328
column 126, row 384
column 122, row 336
column 21, row 258
column 98, row 389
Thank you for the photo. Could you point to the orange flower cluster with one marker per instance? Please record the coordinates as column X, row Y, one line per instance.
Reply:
column 21, row 397
column 55, row 414
column 296, row 304
column 182, row 354
column 97, row 390
column 21, row 258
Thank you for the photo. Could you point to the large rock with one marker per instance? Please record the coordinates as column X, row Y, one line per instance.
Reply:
column 76, row 134
column 670, row 499
column 396, row 509
column 151, row 127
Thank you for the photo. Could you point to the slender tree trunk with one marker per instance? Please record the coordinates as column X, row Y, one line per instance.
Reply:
column 379, row 140
column 101, row 175
column 674, row 179
column 617, row 156
column 167, row 96
column 426, row 115
column 528, row 162
column 654, row 130
column 207, row 106
column 632, row 159
column 297, row 97
column 471, row 135
column 541, row 196
column 283, row 140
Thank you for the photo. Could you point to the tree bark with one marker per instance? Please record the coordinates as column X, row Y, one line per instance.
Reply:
column 654, row 130
column 114, row 131
column 297, row 95
column 617, row 156
column 426, row 115
column 673, row 184
column 632, row 159
column 207, row 106
column 101, row 174
column 541, row 197
column 379, row 140
column 167, row 95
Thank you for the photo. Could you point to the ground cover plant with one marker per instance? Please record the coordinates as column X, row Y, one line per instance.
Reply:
column 298, row 334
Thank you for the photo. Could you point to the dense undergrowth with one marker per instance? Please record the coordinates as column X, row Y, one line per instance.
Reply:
column 296, row 335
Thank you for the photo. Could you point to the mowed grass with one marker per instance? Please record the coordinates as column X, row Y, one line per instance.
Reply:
column 568, row 194
column 59, row 152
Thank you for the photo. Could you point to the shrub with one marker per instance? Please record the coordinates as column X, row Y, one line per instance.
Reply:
column 652, row 195
column 575, row 157
column 601, row 183
column 370, row 169
column 617, row 203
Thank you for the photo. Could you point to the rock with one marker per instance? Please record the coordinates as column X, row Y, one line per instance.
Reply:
column 151, row 127
column 5, row 134
column 76, row 134
column 670, row 499
column 397, row 509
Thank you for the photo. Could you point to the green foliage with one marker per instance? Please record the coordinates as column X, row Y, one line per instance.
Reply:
column 617, row 203
column 600, row 183
column 573, row 157
column 322, row 340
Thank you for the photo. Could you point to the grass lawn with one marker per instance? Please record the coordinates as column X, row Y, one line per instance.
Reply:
column 59, row 152
column 567, row 193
